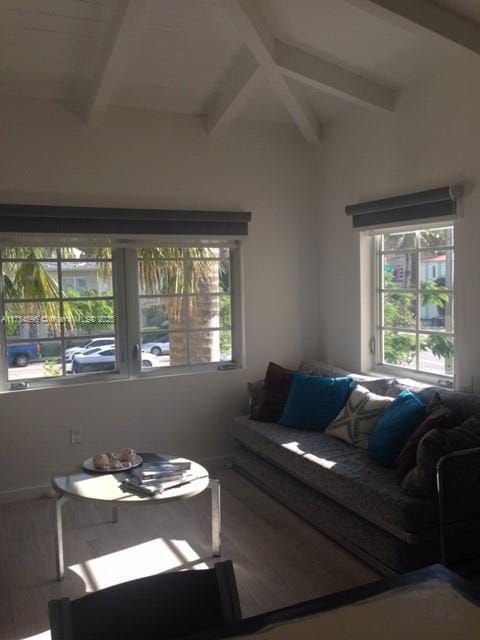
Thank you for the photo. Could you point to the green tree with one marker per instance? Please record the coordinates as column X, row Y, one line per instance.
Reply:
column 92, row 309
column 162, row 270
column 399, row 309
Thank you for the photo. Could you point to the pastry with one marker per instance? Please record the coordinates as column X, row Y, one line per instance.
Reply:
column 112, row 455
column 100, row 461
column 128, row 455
column 116, row 464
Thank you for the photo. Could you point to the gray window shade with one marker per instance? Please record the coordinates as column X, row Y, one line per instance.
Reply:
column 407, row 209
column 16, row 218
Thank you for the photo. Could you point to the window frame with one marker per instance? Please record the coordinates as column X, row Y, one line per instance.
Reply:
column 378, row 292
column 127, row 331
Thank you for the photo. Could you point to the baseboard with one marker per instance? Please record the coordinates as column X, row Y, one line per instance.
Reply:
column 27, row 493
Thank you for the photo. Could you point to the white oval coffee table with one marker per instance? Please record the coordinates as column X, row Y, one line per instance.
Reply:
column 106, row 489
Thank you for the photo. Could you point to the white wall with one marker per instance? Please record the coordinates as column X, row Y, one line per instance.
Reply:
column 433, row 139
column 165, row 161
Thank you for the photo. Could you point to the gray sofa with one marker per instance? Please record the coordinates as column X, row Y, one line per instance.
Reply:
column 340, row 490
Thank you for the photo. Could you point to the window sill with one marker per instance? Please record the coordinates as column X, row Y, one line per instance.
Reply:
column 67, row 383
column 414, row 378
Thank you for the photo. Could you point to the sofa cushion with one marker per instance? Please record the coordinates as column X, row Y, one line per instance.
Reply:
column 356, row 420
column 439, row 416
column 462, row 474
column 314, row 401
column 273, row 395
column 392, row 430
column 343, row 473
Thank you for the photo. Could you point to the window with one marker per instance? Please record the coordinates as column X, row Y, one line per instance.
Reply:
column 185, row 305
column 415, row 300
column 125, row 312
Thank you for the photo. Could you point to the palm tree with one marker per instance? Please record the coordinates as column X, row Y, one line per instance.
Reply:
column 26, row 282
column 184, row 276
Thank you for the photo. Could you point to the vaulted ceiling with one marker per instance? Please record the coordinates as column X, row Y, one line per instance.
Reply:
column 305, row 61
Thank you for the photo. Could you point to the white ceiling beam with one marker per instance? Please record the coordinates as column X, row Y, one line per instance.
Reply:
column 256, row 35
column 299, row 109
column 426, row 17
column 239, row 85
column 331, row 78
column 108, row 72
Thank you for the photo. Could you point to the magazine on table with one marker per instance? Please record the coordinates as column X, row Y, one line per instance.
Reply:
column 151, row 487
column 157, row 474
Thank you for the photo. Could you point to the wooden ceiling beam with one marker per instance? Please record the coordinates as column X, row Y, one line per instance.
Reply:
column 110, row 67
column 281, row 61
column 331, row 78
column 427, row 18
column 257, row 37
column 240, row 83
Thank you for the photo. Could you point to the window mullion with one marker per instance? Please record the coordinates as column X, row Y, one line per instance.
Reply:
column 62, row 312
column 379, row 284
column 417, row 314
column 129, row 315
column 3, row 336
column 187, row 283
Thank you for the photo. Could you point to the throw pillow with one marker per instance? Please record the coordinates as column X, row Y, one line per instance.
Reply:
column 272, row 398
column 356, row 420
column 392, row 430
column 255, row 394
column 439, row 416
column 462, row 474
column 319, row 368
column 314, row 401
column 394, row 388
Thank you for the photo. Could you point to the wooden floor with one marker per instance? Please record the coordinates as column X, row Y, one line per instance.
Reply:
column 278, row 558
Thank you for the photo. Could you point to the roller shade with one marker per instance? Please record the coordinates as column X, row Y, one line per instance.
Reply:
column 98, row 221
column 423, row 206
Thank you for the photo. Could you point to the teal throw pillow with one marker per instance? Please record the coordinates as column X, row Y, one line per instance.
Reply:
column 315, row 401
column 390, row 433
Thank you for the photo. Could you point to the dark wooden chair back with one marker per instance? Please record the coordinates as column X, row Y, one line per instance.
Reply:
column 167, row 605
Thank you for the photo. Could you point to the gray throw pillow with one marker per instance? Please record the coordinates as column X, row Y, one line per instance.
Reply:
column 318, row 368
column 395, row 388
column 356, row 420
column 462, row 474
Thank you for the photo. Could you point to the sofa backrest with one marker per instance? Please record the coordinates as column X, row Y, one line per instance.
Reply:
column 463, row 405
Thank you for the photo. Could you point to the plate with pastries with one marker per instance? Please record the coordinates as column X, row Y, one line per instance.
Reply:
column 113, row 461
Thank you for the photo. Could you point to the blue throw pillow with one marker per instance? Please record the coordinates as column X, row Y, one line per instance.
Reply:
column 314, row 401
column 390, row 433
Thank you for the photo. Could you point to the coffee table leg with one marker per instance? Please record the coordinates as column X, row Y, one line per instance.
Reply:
column 59, row 537
column 214, row 486
column 114, row 515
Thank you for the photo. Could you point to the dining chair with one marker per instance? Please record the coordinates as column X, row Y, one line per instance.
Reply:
column 166, row 605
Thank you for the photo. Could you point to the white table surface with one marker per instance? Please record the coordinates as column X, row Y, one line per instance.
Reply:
column 106, row 487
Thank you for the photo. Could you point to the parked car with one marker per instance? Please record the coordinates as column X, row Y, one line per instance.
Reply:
column 88, row 352
column 103, row 359
column 96, row 342
column 19, row 355
column 150, row 360
column 158, row 348
column 95, row 359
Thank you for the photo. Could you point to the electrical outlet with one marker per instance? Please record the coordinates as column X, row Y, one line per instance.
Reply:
column 75, row 436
